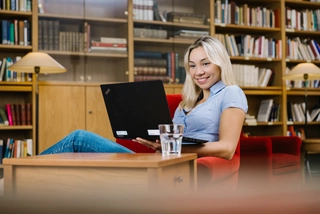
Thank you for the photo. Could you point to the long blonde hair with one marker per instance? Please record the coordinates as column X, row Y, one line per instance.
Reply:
column 218, row 55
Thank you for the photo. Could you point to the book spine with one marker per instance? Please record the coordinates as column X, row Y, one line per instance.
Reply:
column 4, row 117
column 9, row 115
column 28, row 114
column 13, row 114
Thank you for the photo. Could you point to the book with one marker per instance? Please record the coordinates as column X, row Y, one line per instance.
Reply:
column 104, row 44
column 28, row 114
column 113, row 40
column 150, row 62
column 4, row 117
column 264, row 110
column 148, row 54
column 22, row 111
column 314, row 114
column 9, row 114
column 3, row 68
column 1, row 150
column 13, row 114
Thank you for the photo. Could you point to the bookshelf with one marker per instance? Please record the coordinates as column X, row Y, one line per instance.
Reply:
column 295, row 93
column 119, row 19
column 16, row 88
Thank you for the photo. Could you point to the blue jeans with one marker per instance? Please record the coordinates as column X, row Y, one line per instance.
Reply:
column 84, row 141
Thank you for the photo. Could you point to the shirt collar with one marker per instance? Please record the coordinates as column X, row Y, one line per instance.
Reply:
column 217, row 88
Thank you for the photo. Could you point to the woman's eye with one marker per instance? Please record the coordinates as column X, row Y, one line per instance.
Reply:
column 206, row 63
column 191, row 66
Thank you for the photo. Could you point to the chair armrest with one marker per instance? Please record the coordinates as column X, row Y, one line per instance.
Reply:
column 286, row 144
column 212, row 169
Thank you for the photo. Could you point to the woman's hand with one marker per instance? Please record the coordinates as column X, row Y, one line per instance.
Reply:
column 153, row 145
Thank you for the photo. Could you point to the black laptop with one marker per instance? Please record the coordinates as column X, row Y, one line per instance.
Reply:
column 136, row 108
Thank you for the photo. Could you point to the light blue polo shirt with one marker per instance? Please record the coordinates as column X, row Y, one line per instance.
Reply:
column 203, row 121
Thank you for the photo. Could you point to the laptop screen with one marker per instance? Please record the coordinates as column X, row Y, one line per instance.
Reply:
column 136, row 108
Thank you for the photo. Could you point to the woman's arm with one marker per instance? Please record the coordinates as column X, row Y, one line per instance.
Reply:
column 231, row 122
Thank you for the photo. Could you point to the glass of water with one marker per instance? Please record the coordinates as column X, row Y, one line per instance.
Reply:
column 171, row 138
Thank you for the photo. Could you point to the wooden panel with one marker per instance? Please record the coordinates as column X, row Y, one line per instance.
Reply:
column 96, row 113
column 61, row 111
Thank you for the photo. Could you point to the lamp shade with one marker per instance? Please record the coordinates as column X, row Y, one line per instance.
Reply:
column 43, row 61
column 299, row 71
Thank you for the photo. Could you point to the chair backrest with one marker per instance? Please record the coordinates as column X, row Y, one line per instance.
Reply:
column 173, row 102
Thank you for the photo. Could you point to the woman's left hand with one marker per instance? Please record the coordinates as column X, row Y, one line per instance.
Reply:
column 153, row 145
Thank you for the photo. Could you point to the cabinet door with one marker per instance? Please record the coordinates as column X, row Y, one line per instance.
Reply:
column 61, row 111
column 96, row 113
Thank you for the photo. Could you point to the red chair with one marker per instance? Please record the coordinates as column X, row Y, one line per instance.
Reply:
column 212, row 171
column 271, row 162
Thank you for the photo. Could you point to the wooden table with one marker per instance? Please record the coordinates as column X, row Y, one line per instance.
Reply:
column 96, row 174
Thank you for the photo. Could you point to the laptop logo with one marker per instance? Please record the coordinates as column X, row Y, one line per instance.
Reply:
column 107, row 91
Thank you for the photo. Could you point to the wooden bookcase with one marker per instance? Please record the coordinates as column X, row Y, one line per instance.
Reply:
column 22, row 91
column 118, row 18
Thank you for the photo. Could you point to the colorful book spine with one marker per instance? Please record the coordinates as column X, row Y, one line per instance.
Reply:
column 9, row 114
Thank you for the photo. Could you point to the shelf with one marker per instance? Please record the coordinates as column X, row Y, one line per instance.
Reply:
column 15, row 14
column 16, row 47
column 90, row 54
column 16, row 127
column 252, row 29
column 172, row 24
column 16, row 88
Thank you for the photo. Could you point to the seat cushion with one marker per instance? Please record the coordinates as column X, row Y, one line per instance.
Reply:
column 284, row 163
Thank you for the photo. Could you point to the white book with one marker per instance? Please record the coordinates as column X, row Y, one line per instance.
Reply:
column 314, row 114
column 264, row 110
column 297, row 113
column 302, row 105
column 113, row 40
column 266, row 78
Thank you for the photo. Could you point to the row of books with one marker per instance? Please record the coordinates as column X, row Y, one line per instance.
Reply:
column 229, row 12
column 302, row 49
column 15, row 114
column 190, row 18
column 12, row 76
column 15, row 148
column 17, row 5
column 252, row 76
column 190, row 34
column 143, row 10
column 269, row 111
column 150, row 65
column 52, row 36
column 301, row 83
column 15, row 32
column 251, row 46
column 296, row 113
column 149, row 33
column 306, row 19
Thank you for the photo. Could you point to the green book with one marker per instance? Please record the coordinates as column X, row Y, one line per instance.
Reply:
column 4, row 117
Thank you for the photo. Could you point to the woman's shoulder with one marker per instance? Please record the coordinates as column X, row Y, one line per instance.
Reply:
column 233, row 88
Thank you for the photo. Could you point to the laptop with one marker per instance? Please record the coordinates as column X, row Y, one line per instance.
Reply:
column 135, row 109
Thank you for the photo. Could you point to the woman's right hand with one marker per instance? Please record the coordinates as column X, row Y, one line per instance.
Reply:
column 153, row 145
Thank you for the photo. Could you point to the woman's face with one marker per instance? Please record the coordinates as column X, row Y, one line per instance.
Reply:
column 204, row 73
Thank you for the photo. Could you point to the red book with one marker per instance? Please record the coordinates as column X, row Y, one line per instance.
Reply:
column 9, row 115
column 23, row 116
column 13, row 114
column 18, row 114
column 28, row 114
